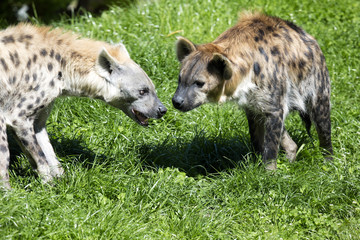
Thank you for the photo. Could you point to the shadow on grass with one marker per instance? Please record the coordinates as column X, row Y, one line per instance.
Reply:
column 203, row 155
column 206, row 154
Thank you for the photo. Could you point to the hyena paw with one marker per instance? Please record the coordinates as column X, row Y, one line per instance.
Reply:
column 4, row 185
column 57, row 171
column 291, row 156
column 271, row 165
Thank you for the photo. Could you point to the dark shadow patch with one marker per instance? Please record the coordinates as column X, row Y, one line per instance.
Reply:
column 203, row 155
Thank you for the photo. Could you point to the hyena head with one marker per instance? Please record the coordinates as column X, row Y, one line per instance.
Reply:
column 129, row 87
column 203, row 74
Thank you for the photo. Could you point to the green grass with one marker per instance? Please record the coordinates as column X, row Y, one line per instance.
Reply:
column 192, row 175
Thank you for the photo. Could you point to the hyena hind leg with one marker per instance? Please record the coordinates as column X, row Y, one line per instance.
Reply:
column 321, row 118
column 4, row 157
column 25, row 136
column 289, row 146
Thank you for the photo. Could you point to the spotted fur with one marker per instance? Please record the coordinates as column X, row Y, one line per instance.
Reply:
column 270, row 67
column 38, row 64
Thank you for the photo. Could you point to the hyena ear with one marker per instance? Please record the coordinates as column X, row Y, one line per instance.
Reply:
column 105, row 64
column 221, row 65
column 184, row 47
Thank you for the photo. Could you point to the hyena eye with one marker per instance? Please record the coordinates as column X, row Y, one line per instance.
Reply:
column 199, row 84
column 143, row 91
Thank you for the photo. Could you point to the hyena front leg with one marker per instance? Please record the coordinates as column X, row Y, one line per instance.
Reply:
column 289, row 146
column 43, row 139
column 273, row 130
column 321, row 117
column 4, row 156
column 256, row 130
column 26, row 137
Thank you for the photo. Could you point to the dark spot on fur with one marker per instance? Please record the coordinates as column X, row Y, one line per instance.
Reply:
column 262, row 76
column 262, row 51
column 59, row 42
column 276, row 35
column 59, row 75
column 274, row 51
column 37, row 87
column 3, row 148
column 256, row 39
column 58, row 57
column 3, row 63
column 43, row 52
column 42, row 93
column 8, row 39
column 257, row 68
column 37, row 100
column 302, row 64
column 17, row 61
column 50, row 66
column 34, row 58
column 52, row 52
column 27, row 77
column 300, row 75
column 52, row 83
column 12, row 80
column 23, row 99
column 22, row 113
column 63, row 62
column 269, row 28
column 30, row 106
column 41, row 154
column 28, row 65
column 34, row 76
column 261, row 34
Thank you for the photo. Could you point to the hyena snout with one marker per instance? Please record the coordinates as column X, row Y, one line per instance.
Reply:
column 178, row 101
column 161, row 111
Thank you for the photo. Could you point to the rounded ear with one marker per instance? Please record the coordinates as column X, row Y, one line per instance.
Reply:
column 221, row 65
column 184, row 47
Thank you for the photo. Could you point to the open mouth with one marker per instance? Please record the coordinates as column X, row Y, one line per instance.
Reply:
column 140, row 117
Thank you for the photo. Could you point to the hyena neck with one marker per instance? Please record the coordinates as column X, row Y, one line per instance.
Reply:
column 79, row 76
column 239, row 86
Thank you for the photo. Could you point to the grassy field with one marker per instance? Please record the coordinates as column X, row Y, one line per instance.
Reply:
column 192, row 175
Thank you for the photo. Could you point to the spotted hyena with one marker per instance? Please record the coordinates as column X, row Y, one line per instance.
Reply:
column 38, row 64
column 270, row 67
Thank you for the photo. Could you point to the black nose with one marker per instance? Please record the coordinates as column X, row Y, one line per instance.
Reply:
column 162, row 110
column 177, row 102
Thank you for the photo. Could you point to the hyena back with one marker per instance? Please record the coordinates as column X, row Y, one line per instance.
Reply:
column 270, row 67
column 38, row 64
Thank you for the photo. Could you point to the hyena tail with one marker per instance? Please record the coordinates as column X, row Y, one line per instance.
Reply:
column 305, row 117
column 320, row 114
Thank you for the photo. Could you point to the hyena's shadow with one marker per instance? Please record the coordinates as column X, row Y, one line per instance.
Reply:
column 201, row 156
column 210, row 154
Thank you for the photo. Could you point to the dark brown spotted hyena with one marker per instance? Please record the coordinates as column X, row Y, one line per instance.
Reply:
column 270, row 67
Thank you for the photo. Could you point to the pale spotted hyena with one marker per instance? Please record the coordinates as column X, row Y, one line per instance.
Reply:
column 38, row 64
column 270, row 67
